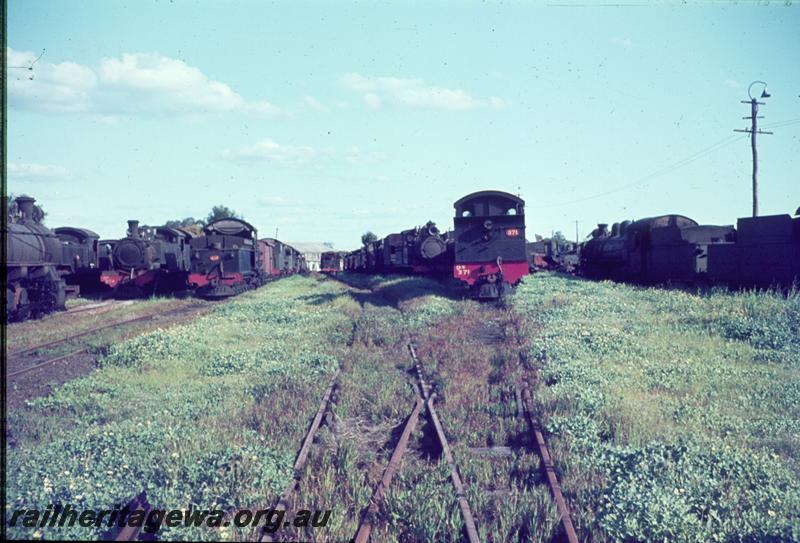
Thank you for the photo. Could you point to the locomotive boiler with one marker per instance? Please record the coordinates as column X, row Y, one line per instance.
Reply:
column 655, row 249
column 148, row 259
column 34, row 257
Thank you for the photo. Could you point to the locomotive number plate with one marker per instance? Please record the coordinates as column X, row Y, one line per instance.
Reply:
column 512, row 232
column 462, row 270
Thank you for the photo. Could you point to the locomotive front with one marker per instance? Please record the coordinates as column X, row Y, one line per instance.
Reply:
column 489, row 231
column 226, row 260
column 148, row 258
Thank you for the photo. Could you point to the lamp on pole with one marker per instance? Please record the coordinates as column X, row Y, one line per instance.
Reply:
column 753, row 130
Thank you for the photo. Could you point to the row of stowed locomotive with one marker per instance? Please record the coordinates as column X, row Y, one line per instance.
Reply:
column 759, row 251
column 43, row 264
column 486, row 250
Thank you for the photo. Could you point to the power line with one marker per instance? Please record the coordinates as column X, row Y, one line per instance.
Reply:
column 674, row 166
column 667, row 169
column 787, row 122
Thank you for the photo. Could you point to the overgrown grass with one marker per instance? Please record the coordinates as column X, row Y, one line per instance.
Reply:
column 673, row 416
column 206, row 415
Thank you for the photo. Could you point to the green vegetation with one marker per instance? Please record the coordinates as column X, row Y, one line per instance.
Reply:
column 208, row 414
column 672, row 416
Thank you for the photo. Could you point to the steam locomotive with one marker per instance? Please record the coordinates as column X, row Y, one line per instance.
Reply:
column 416, row 250
column 229, row 259
column 34, row 265
column 761, row 251
column 486, row 249
column 148, row 259
column 490, row 249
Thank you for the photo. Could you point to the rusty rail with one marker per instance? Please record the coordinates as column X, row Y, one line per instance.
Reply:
column 365, row 527
column 302, row 455
column 455, row 477
column 56, row 342
column 107, row 305
column 548, row 467
column 47, row 362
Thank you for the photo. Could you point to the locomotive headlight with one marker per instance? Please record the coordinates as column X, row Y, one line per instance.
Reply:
column 213, row 258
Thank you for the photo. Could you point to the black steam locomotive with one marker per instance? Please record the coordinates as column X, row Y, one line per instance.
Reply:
column 421, row 250
column 147, row 259
column 228, row 259
column 656, row 249
column 761, row 251
column 34, row 260
column 80, row 248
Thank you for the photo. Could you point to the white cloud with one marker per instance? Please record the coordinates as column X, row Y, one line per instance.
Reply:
column 66, row 87
column 146, row 83
column 36, row 172
column 414, row 93
column 268, row 150
column 733, row 84
column 315, row 104
column 372, row 100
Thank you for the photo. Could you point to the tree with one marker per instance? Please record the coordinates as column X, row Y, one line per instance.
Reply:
column 222, row 212
column 368, row 237
column 190, row 224
column 560, row 239
column 12, row 211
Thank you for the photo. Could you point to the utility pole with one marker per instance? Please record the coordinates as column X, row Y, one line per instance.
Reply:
column 753, row 130
column 577, row 238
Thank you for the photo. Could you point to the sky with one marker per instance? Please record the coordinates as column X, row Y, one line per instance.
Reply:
column 322, row 120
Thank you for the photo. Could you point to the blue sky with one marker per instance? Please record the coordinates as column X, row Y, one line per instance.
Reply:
column 325, row 119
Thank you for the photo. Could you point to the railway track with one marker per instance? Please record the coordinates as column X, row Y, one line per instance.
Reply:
column 372, row 512
column 455, row 476
column 496, row 335
column 19, row 356
column 105, row 306
column 282, row 503
column 301, row 459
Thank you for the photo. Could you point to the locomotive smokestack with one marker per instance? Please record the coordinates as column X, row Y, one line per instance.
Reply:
column 25, row 206
column 133, row 228
column 602, row 228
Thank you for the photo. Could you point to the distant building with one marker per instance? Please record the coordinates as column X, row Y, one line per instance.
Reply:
column 311, row 251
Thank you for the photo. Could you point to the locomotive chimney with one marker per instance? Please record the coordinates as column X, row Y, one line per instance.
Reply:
column 602, row 228
column 133, row 228
column 25, row 206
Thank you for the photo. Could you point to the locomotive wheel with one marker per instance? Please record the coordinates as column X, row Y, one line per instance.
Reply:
column 21, row 310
